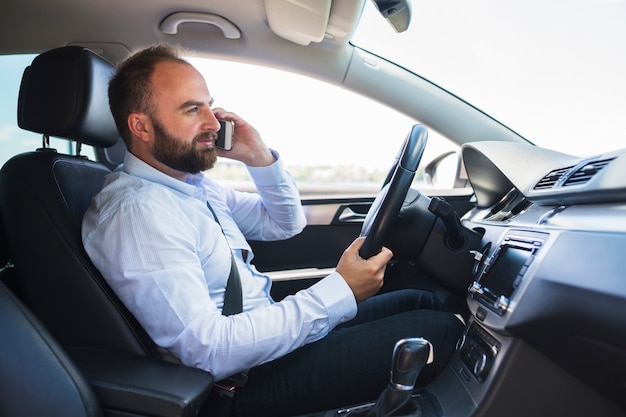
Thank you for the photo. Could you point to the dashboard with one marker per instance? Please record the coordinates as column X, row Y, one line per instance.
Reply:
column 548, row 299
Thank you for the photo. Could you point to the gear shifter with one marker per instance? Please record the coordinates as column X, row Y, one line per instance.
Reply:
column 409, row 358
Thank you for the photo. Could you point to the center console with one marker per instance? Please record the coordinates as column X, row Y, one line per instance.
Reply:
column 500, row 278
column 502, row 274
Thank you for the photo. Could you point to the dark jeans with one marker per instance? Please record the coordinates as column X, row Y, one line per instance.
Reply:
column 351, row 364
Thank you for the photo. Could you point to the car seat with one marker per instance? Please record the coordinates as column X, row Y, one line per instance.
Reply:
column 36, row 376
column 45, row 194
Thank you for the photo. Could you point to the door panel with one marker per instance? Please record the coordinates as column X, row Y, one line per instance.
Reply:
column 331, row 226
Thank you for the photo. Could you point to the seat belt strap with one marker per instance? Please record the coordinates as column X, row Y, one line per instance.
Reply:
column 233, row 299
column 221, row 398
column 233, row 304
column 233, row 295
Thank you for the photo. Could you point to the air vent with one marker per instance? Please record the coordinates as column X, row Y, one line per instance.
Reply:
column 584, row 174
column 551, row 179
column 512, row 204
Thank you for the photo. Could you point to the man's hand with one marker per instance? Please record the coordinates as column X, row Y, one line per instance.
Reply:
column 364, row 277
column 248, row 147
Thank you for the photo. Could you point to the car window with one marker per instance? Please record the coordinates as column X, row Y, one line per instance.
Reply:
column 331, row 140
column 14, row 140
column 334, row 142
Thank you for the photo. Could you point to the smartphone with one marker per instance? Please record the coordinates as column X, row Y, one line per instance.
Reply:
column 225, row 135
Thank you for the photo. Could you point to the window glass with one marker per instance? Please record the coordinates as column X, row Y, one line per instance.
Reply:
column 334, row 142
column 14, row 140
column 331, row 140
column 553, row 71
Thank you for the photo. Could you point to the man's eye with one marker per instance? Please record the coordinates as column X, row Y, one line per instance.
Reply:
column 193, row 110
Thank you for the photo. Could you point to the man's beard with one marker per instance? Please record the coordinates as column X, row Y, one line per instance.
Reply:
column 181, row 156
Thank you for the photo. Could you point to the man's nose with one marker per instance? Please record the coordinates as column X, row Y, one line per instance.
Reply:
column 210, row 122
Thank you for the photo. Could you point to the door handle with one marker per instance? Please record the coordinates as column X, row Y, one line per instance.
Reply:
column 348, row 215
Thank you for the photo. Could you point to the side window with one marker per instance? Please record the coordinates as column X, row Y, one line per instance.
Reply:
column 334, row 142
column 14, row 140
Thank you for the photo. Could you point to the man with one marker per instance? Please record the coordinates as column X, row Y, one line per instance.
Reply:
column 163, row 234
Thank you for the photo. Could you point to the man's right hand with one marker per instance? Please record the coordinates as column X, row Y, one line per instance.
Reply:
column 363, row 276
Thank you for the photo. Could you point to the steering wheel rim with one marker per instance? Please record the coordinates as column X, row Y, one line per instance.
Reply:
column 385, row 208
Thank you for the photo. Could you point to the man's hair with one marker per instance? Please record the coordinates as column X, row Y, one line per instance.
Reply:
column 130, row 89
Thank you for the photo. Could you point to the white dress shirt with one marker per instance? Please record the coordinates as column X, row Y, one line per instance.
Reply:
column 157, row 244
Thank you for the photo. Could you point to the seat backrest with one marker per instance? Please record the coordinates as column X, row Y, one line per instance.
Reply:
column 44, row 194
column 36, row 376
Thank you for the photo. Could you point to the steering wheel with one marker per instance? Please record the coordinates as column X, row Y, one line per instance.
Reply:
column 385, row 208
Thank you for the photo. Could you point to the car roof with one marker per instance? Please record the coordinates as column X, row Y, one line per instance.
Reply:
column 267, row 32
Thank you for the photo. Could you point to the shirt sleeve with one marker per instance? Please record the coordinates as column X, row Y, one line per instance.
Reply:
column 273, row 213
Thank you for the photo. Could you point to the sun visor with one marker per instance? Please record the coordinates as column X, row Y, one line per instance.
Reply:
column 309, row 21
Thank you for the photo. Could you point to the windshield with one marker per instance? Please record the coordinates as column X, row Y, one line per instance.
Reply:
column 552, row 71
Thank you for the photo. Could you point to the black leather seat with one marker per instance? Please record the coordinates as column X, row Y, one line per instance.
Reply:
column 36, row 376
column 44, row 195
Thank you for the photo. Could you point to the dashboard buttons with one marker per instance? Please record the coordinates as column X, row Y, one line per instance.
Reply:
column 478, row 350
column 481, row 314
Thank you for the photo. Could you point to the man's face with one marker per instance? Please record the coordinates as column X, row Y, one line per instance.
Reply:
column 184, row 126
column 180, row 154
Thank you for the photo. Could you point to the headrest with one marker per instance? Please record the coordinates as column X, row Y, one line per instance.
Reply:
column 64, row 94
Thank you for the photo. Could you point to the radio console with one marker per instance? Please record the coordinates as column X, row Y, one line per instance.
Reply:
column 504, row 271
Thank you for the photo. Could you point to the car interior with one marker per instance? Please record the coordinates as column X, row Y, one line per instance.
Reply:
column 531, row 260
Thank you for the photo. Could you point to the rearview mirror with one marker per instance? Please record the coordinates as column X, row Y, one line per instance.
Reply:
column 396, row 12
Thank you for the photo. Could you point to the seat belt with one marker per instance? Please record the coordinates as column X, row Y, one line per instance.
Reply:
column 221, row 398
column 233, row 298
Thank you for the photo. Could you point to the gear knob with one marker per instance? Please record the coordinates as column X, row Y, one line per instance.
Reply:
column 409, row 358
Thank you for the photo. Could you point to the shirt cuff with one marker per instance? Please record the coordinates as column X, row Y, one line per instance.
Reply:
column 268, row 175
column 337, row 297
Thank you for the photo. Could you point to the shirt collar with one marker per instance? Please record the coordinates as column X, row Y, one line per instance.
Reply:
column 192, row 186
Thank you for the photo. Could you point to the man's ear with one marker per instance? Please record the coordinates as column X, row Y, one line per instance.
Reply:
column 140, row 126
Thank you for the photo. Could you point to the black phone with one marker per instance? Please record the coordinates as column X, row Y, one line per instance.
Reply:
column 225, row 135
